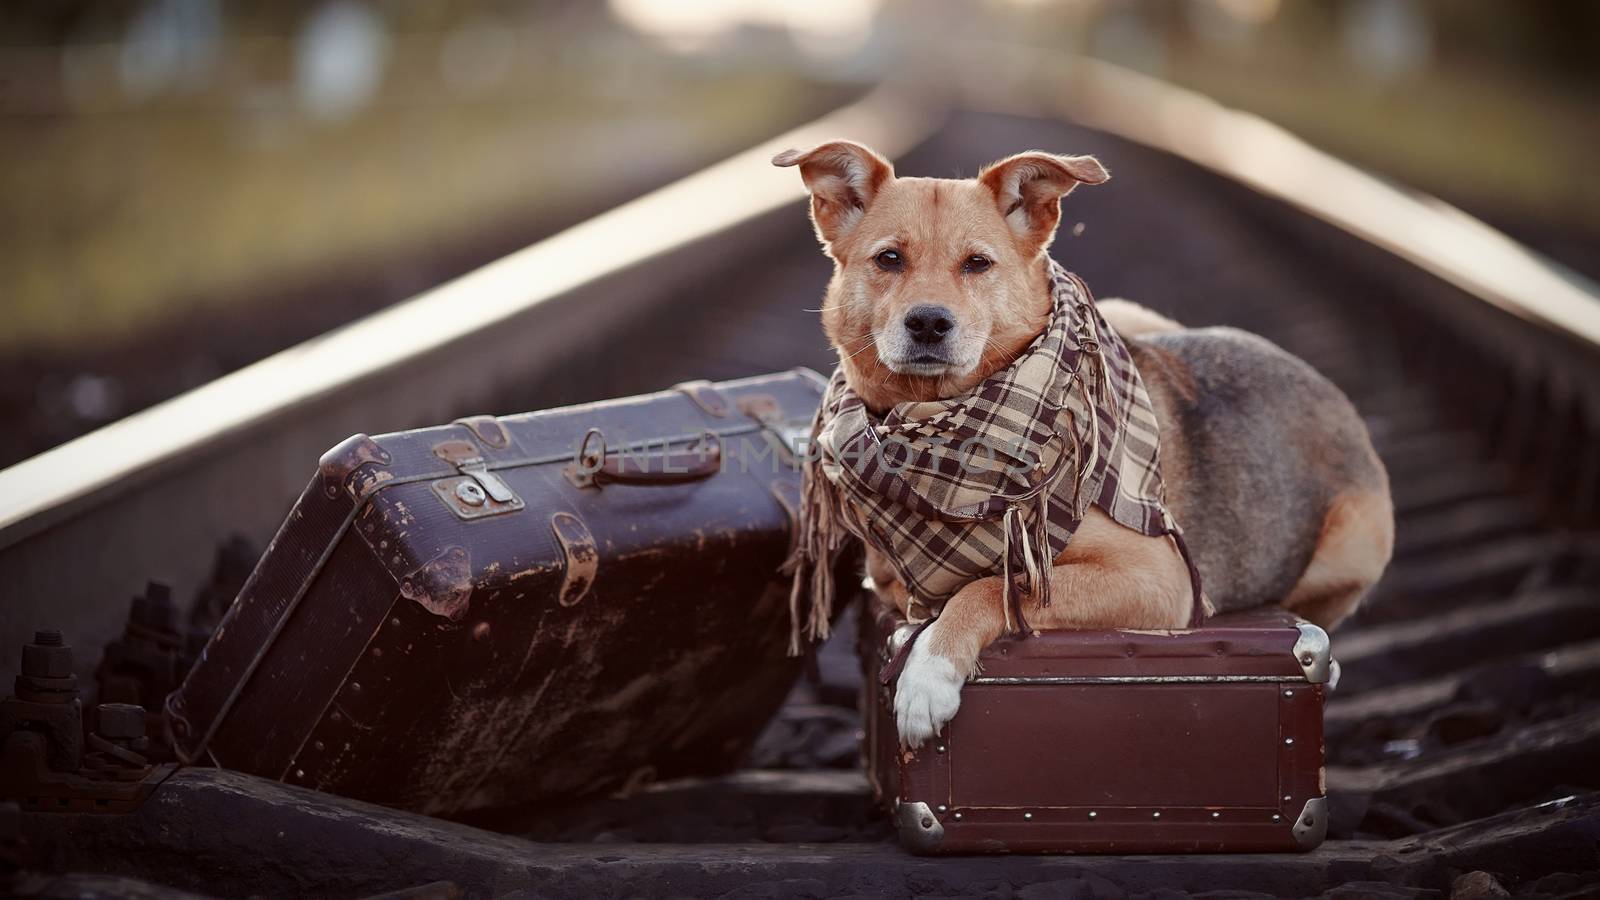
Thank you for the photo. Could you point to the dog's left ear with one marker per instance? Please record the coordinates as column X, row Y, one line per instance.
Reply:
column 1028, row 189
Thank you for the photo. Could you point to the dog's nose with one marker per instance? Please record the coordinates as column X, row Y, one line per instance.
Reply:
column 929, row 324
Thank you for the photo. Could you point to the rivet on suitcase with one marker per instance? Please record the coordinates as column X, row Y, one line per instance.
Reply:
column 499, row 611
column 1113, row 741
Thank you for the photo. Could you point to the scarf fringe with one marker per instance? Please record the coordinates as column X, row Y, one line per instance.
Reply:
column 820, row 540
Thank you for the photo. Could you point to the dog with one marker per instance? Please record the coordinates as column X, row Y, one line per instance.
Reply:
column 940, row 283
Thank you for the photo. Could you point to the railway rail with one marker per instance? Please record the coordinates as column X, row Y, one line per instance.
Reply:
column 1464, row 734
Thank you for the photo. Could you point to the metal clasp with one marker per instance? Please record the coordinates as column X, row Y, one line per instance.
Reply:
column 478, row 492
column 790, row 436
column 492, row 484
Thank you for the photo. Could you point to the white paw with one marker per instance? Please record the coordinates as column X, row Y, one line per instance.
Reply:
column 927, row 694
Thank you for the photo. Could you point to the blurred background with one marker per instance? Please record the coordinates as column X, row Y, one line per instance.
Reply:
column 187, row 186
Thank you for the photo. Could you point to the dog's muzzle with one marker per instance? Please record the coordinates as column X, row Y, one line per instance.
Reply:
column 926, row 343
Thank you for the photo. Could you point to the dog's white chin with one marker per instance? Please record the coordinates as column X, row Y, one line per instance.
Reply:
column 903, row 357
column 926, row 369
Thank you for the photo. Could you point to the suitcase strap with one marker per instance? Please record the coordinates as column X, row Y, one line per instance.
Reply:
column 891, row 672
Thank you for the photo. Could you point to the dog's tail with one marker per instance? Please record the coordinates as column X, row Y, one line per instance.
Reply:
column 1129, row 319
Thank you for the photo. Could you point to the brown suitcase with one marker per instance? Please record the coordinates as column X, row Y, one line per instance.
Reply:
column 469, row 617
column 1114, row 742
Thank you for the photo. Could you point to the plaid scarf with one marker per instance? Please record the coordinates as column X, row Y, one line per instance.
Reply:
column 994, row 481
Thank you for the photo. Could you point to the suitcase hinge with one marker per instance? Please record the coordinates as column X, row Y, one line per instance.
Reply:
column 488, row 430
column 706, row 396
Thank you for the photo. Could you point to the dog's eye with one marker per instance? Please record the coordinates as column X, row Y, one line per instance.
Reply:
column 890, row 261
column 976, row 263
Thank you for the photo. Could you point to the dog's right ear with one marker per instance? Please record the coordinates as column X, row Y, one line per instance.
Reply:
column 843, row 179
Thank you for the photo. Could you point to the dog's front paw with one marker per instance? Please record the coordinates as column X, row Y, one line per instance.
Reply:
column 927, row 695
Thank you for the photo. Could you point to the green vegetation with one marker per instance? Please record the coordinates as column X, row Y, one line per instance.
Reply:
column 117, row 219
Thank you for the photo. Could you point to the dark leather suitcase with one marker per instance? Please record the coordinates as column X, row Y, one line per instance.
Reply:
column 1113, row 741
column 479, row 615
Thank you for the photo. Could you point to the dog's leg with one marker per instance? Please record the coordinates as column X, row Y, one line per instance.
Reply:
column 1354, row 547
column 886, row 582
column 1109, row 576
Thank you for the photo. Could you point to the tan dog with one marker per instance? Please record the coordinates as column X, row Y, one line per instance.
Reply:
column 940, row 283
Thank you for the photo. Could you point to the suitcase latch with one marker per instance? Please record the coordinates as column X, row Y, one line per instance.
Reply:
column 791, row 436
column 476, row 492
column 492, row 484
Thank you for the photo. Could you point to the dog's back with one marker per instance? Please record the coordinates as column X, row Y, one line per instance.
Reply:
column 1266, row 459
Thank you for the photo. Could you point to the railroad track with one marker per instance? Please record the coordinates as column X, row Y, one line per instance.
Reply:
column 1470, row 690
column 1465, row 732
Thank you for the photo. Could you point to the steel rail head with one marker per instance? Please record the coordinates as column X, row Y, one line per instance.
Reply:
column 112, row 459
column 1267, row 158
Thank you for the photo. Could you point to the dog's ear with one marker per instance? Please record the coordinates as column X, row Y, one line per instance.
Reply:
column 1028, row 189
column 842, row 177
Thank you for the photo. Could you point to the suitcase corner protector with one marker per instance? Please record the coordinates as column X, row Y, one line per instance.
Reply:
column 1311, row 827
column 1314, row 652
column 919, row 829
column 344, row 458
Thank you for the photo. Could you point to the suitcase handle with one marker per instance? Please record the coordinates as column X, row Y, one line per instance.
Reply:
column 594, row 467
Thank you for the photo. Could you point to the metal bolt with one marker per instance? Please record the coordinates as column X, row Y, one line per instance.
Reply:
column 1027, row 815
column 47, row 657
column 1307, row 659
column 1287, row 798
column 1277, row 818
column 470, row 494
column 1156, row 814
column 120, row 721
column 939, row 748
column 943, row 808
column 1288, row 693
column 154, row 608
column 958, row 815
column 1288, row 740
column 1216, row 815
column 1093, row 814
